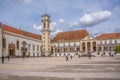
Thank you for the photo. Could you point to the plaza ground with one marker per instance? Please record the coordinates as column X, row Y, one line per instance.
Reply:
column 57, row 68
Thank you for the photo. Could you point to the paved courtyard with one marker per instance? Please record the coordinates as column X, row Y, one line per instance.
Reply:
column 56, row 68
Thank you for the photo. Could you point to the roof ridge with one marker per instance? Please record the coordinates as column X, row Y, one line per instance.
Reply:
column 19, row 29
column 73, row 31
column 20, row 32
column 111, row 33
column 71, row 35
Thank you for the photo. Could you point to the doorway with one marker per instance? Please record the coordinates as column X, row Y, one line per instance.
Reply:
column 12, row 50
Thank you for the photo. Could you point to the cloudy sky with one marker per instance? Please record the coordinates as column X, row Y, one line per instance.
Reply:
column 97, row 16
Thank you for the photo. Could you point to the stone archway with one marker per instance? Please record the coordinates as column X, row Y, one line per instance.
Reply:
column 11, row 50
column 83, row 47
column 24, row 49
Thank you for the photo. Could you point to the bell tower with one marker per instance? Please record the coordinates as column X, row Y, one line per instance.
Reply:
column 1, row 34
column 45, row 33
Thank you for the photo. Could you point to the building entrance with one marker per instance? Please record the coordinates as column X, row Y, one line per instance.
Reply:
column 12, row 50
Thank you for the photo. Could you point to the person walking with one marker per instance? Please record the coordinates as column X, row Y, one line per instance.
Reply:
column 78, row 55
column 71, row 56
column 3, row 59
column 66, row 57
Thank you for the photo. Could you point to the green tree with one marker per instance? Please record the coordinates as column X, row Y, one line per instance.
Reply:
column 117, row 49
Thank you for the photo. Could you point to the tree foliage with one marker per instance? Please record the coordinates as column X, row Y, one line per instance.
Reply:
column 117, row 49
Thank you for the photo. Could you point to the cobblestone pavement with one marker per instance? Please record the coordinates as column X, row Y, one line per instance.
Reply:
column 56, row 68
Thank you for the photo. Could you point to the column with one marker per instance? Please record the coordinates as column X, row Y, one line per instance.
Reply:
column 54, row 50
column 81, row 46
column 91, row 46
column 102, row 48
column 86, row 47
column 96, row 47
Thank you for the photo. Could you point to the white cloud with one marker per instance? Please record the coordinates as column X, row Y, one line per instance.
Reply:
column 75, row 24
column 61, row 21
column 54, row 29
column 92, row 19
column 53, row 26
column 37, row 27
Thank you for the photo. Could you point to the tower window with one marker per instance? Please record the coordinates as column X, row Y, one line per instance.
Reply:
column 43, row 33
column 44, row 25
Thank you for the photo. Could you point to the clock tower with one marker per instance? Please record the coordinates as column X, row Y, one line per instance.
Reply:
column 45, row 33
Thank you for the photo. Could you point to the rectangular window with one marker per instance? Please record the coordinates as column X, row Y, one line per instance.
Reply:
column 18, row 45
column 44, row 25
column 33, row 47
column 37, row 47
column 29, row 46
column 43, row 33
column 4, row 42
column 40, row 47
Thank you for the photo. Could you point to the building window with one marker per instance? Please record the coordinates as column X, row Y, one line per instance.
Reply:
column 18, row 44
column 33, row 47
column 4, row 42
column 99, row 48
column 33, row 54
column 43, row 33
column 74, row 44
column 40, row 47
column 100, row 42
column 58, row 50
column 44, row 45
column 115, row 41
column 29, row 46
column 38, row 54
column 29, row 54
column 110, row 41
column 44, row 49
column 37, row 47
column 105, row 42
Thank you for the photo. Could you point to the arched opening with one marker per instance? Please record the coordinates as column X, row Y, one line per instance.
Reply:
column 52, row 50
column 58, row 50
column 24, row 48
column 83, row 46
column 77, row 49
column 12, row 50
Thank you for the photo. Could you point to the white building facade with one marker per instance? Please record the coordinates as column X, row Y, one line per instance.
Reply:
column 64, row 44
column 15, row 42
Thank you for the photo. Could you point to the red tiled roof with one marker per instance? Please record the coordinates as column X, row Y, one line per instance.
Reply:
column 21, row 32
column 109, row 36
column 71, row 35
